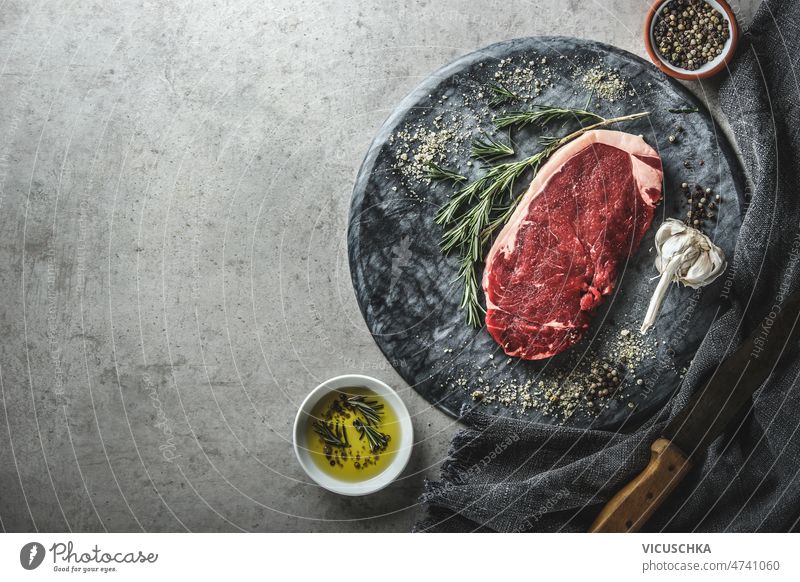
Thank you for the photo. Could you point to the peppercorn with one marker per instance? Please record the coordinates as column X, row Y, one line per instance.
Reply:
column 690, row 33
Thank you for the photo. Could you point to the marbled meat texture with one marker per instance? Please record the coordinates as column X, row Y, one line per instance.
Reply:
column 561, row 252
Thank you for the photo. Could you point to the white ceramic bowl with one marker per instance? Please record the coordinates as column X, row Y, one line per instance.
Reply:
column 398, row 462
column 707, row 70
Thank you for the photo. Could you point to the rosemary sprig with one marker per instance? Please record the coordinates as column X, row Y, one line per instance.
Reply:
column 336, row 436
column 476, row 211
column 376, row 439
column 542, row 115
column 436, row 172
column 470, row 298
column 501, row 94
column 489, row 149
column 684, row 110
column 371, row 410
column 547, row 140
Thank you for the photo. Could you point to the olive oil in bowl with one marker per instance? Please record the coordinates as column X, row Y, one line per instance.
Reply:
column 352, row 434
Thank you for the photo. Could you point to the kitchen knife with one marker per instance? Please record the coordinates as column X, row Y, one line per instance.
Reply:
column 702, row 420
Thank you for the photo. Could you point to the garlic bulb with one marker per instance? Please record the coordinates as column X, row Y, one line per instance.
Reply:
column 685, row 255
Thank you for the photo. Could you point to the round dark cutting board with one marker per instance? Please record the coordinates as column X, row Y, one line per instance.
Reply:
column 405, row 287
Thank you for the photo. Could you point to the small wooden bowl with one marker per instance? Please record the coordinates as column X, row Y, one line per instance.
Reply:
column 709, row 69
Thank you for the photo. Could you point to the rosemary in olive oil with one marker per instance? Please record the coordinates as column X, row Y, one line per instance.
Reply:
column 352, row 434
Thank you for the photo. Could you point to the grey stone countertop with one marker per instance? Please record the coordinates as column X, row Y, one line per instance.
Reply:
column 174, row 192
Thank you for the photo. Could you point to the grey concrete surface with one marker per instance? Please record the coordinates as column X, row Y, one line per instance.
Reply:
column 174, row 187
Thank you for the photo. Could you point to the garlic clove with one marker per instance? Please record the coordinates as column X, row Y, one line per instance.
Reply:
column 669, row 228
column 676, row 244
column 697, row 274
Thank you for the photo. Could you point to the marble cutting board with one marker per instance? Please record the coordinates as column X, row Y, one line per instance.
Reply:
column 405, row 287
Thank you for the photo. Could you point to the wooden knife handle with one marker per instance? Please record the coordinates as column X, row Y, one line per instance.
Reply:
column 633, row 505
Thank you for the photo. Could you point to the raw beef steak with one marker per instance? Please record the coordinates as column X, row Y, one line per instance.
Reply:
column 583, row 215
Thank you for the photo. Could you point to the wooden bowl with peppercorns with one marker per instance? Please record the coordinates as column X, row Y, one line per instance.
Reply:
column 691, row 39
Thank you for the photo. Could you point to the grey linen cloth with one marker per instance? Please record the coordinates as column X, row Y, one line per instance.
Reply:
column 508, row 475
